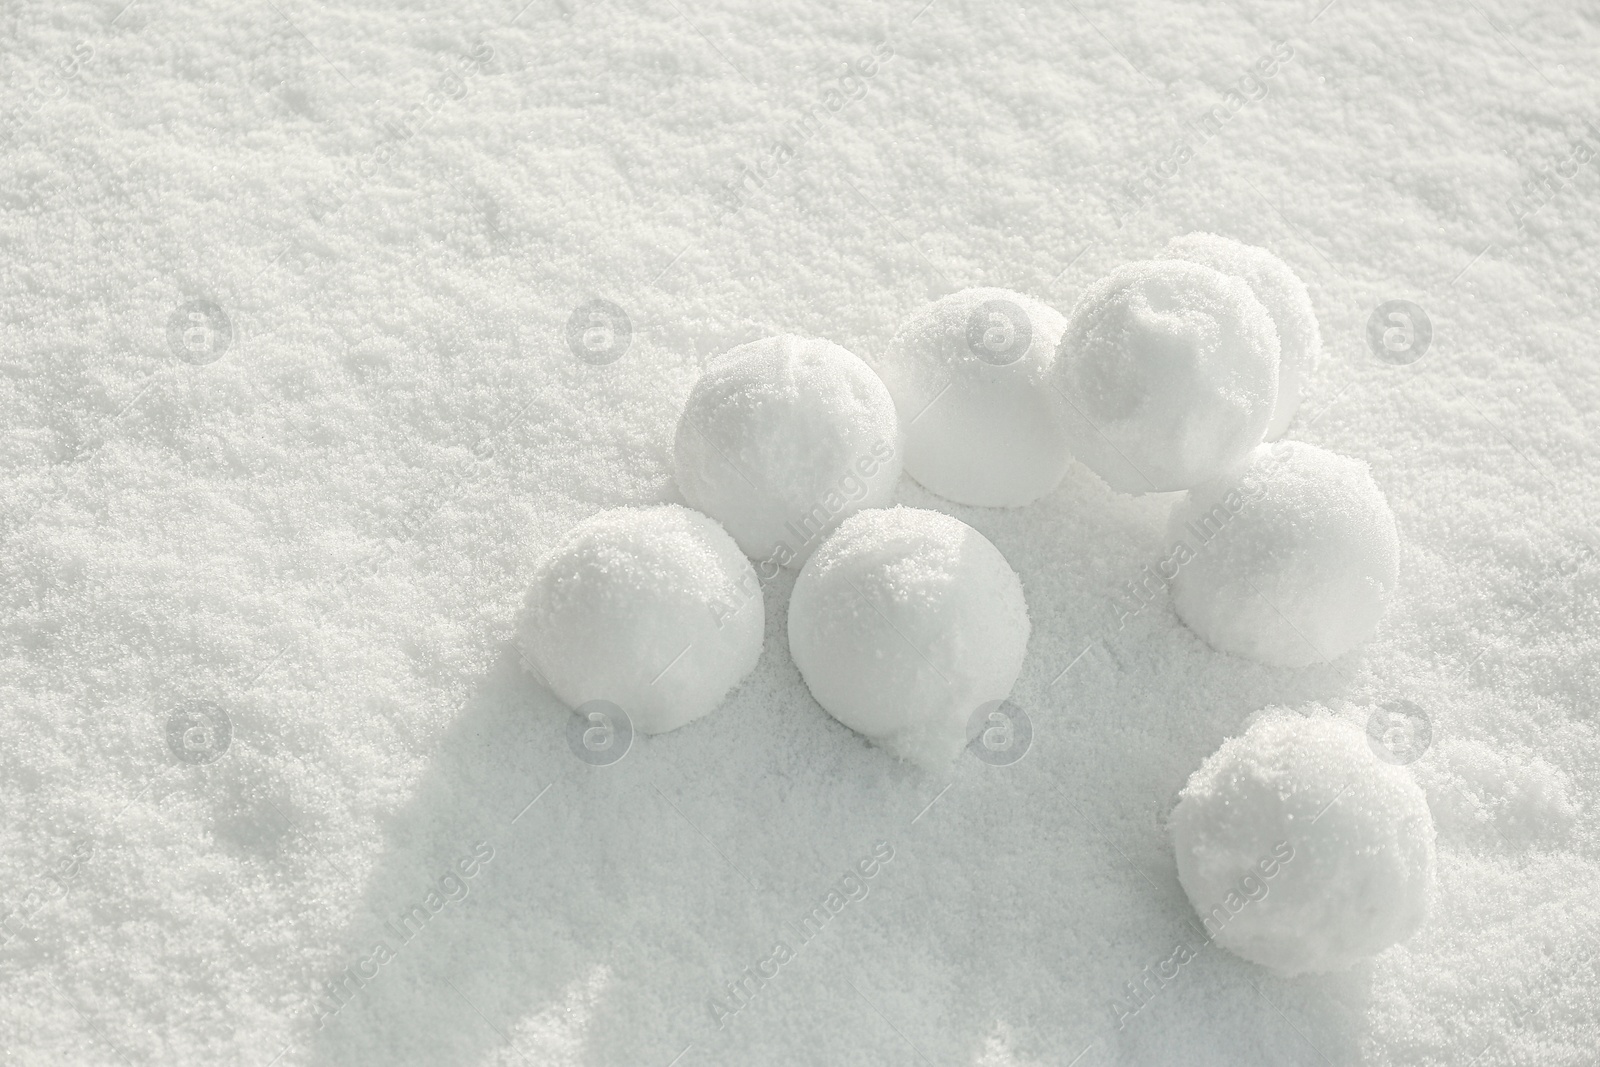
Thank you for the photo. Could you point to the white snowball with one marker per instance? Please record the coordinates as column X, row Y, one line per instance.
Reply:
column 1300, row 849
column 903, row 624
column 982, row 424
column 653, row 609
column 1284, row 296
column 1169, row 371
column 1298, row 555
column 783, row 438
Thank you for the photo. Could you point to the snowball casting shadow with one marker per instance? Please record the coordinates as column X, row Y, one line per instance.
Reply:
column 603, row 923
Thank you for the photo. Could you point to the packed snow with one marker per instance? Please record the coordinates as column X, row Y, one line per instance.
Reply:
column 1298, row 559
column 904, row 624
column 1283, row 294
column 1300, row 849
column 1169, row 370
column 653, row 610
column 969, row 377
column 324, row 324
column 781, row 440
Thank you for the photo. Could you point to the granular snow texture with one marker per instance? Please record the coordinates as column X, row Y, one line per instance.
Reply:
column 327, row 530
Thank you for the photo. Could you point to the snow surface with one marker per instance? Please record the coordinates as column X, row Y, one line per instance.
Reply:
column 328, row 529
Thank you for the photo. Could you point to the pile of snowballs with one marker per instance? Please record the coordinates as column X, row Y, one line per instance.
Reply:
column 1170, row 374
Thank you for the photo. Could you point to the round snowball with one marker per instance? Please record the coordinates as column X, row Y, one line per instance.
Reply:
column 783, row 438
column 653, row 609
column 1301, row 850
column 1284, row 296
column 1169, row 371
column 968, row 373
column 904, row 623
column 1298, row 556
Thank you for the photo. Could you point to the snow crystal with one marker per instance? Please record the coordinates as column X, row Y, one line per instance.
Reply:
column 903, row 624
column 781, row 440
column 1284, row 296
column 1300, row 849
column 652, row 609
column 1169, row 371
column 1300, row 556
column 968, row 374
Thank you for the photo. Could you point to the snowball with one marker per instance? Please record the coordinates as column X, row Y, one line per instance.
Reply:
column 783, row 438
column 1169, row 371
column 1284, row 296
column 903, row 624
column 1298, row 556
column 1300, row 849
column 968, row 375
column 653, row 609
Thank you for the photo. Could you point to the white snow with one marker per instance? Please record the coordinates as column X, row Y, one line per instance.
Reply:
column 904, row 624
column 654, row 610
column 328, row 530
column 1297, row 556
column 781, row 440
column 1170, row 374
column 968, row 374
column 1283, row 294
column 1300, row 849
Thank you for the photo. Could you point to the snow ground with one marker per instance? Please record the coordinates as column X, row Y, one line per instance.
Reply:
column 327, row 530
